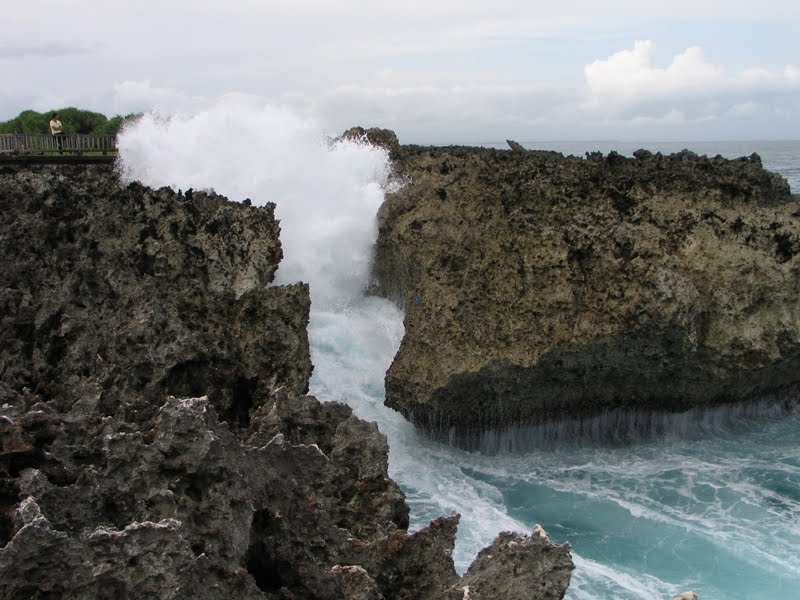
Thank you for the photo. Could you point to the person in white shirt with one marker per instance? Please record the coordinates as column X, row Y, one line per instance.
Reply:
column 57, row 130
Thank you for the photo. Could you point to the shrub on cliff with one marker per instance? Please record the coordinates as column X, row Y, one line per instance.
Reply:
column 75, row 120
column 113, row 125
column 28, row 121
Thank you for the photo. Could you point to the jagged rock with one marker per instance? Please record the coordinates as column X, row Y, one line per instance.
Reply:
column 356, row 583
column 185, row 506
column 144, row 560
column 127, row 290
column 537, row 287
column 384, row 138
column 516, row 146
column 519, row 566
column 419, row 566
column 154, row 439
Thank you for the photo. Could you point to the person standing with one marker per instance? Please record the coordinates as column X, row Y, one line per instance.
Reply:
column 57, row 130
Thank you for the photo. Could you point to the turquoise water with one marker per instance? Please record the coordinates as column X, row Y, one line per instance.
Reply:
column 712, row 504
column 717, row 512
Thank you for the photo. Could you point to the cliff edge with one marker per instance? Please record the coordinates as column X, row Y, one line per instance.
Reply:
column 538, row 287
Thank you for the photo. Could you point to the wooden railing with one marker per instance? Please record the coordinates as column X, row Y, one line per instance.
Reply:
column 74, row 143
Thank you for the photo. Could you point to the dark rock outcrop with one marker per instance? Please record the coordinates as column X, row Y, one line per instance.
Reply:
column 516, row 146
column 155, row 441
column 132, row 293
column 383, row 138
column 538, row 287
column 517, row 566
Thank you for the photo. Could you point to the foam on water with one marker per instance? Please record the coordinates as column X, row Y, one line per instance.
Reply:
column 709, row 502
column 719, row 514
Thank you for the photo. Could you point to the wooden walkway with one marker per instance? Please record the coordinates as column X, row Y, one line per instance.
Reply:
column 23, row 144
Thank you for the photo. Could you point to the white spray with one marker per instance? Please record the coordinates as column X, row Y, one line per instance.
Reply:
column 327, row 193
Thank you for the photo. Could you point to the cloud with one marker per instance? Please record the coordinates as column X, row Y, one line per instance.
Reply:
column 140, row 96
column 43, row 49
column 432, row 71
column 466, row 113
column 629, row 85
column 626, row 94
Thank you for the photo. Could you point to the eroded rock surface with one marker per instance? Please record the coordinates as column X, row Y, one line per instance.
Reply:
column 518, row 565
column 538, row 287
column 155, row 441
column 383, row 138
column 113, row 292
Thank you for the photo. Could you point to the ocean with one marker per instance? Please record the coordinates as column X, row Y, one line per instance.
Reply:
column 711, row 504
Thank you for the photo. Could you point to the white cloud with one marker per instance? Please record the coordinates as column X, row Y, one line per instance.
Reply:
column 467, row 113
column 629, row 84
column 626, row 94
column 48, row 49
column 433, row 70
column 140, row 96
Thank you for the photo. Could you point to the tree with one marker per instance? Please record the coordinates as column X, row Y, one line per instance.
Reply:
column 74, row 120
column 117, row 122
column 28, row 121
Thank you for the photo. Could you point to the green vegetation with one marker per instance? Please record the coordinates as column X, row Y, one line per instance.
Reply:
column 73, row 119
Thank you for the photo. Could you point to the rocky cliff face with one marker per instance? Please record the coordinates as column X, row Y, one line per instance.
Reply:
column 155, row 441
column 136, row 293
column 538, row 287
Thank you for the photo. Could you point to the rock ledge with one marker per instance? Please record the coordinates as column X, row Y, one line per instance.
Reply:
column 538, row 287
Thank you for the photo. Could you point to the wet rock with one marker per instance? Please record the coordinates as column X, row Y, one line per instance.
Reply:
column 518, row 566
column 538, row 287
column 383, row 138
column 419, row 566
column 356, row 583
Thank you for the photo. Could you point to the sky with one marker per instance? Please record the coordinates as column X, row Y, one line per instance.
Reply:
column 434, row 71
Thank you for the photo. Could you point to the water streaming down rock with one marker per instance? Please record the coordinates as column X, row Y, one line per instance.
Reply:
column 712, row 513
column 651, row 518
column 625, row 426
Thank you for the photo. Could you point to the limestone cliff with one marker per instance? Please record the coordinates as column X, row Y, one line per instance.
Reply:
column 537, row 286
column 155, row 441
